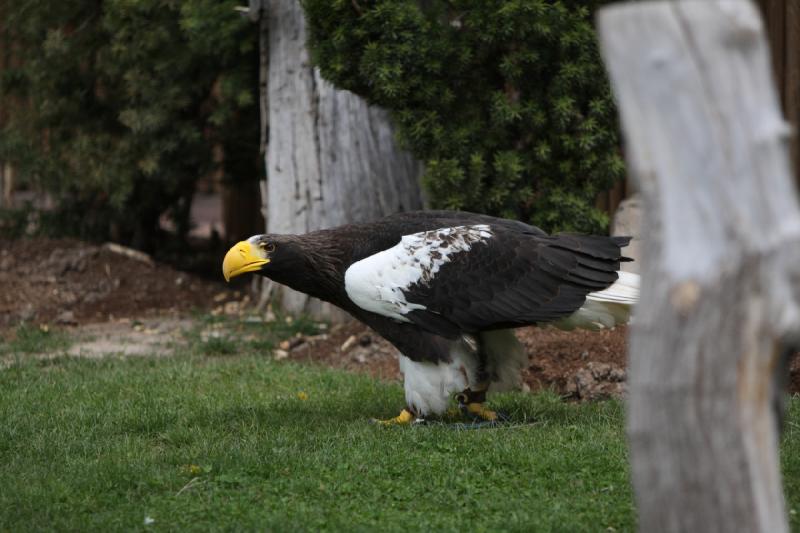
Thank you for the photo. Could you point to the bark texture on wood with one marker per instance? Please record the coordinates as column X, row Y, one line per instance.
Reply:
column 259, row 13
column 331, row 158
column 708, row 147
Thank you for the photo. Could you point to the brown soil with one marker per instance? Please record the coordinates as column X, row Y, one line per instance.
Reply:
column 581, row 365
column 585, row 365
column 578, row 365
column 73, row 283
column 69, row 282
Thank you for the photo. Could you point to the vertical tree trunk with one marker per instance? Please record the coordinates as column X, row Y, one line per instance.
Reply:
column 331, row 158
column 6, row 184
column 708, row 146
column 241, row 209
column 4, row 181
column 259, row 10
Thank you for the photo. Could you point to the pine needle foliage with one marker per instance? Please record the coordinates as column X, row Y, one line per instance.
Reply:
column 506, row 102
column 118, row 105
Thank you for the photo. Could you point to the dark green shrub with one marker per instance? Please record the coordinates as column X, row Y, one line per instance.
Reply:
column 119, row 103
column 507, row 102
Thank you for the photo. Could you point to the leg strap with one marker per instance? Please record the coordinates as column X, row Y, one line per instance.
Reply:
column 468, row 395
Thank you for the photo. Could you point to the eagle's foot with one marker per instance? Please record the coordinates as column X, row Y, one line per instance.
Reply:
column 479, row 411
column 405, row 418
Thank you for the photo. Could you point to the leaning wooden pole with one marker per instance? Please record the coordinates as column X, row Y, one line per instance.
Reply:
column 721, row 266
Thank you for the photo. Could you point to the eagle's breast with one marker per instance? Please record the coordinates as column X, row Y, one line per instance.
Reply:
column 379, row 283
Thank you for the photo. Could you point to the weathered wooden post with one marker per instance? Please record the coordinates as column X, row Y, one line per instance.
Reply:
column 721, row 267
column 331, row 158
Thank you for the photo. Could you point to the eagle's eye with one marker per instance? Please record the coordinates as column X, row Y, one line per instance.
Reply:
column 268, row 247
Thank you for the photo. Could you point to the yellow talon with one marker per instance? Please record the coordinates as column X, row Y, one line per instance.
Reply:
column 403, row 419
column 478, row 409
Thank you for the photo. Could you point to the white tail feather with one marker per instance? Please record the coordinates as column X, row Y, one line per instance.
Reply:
column 606, row 308
column 625, row 290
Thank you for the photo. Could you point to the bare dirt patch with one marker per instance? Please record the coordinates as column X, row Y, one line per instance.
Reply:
column 581, row 365
column 70, row 282
column 578, row 365
column 149, row 337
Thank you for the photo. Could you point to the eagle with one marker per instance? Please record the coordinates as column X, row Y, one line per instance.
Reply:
column 447, row 288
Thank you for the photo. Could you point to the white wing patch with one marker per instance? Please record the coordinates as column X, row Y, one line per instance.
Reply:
column 378, row 282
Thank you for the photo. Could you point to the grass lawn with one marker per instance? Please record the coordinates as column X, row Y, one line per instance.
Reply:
column 198, row 442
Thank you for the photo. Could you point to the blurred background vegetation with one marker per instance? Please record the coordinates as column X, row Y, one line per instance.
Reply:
column 117, row 108
column 117, row 111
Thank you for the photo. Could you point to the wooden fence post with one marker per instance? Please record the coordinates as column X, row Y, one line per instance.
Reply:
column 707, row 143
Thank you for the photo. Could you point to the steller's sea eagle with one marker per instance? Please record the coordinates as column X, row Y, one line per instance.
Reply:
column 446, row 288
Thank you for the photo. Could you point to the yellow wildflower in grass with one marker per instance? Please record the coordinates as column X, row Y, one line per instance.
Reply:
column 194, row 469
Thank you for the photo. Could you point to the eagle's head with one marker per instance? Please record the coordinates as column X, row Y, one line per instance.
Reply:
column 312, row 263
column 262, row 254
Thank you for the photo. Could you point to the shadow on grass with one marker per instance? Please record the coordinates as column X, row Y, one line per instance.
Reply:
column 520, row 409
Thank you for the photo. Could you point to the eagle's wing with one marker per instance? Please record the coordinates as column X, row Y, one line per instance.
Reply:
column 465, row 279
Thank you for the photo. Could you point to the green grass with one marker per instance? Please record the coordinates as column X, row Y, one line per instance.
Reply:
column 229, row 443
column 790, row 461
column 226, row 443
column 236, row 336
column 35, row 339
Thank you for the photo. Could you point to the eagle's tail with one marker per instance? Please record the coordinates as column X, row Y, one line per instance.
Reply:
column 607, row 308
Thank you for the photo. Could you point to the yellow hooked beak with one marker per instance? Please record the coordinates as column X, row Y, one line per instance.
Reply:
column 242, row 257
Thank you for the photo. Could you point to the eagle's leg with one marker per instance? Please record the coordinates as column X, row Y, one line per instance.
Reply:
column 472, row 399
column 405, row 418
